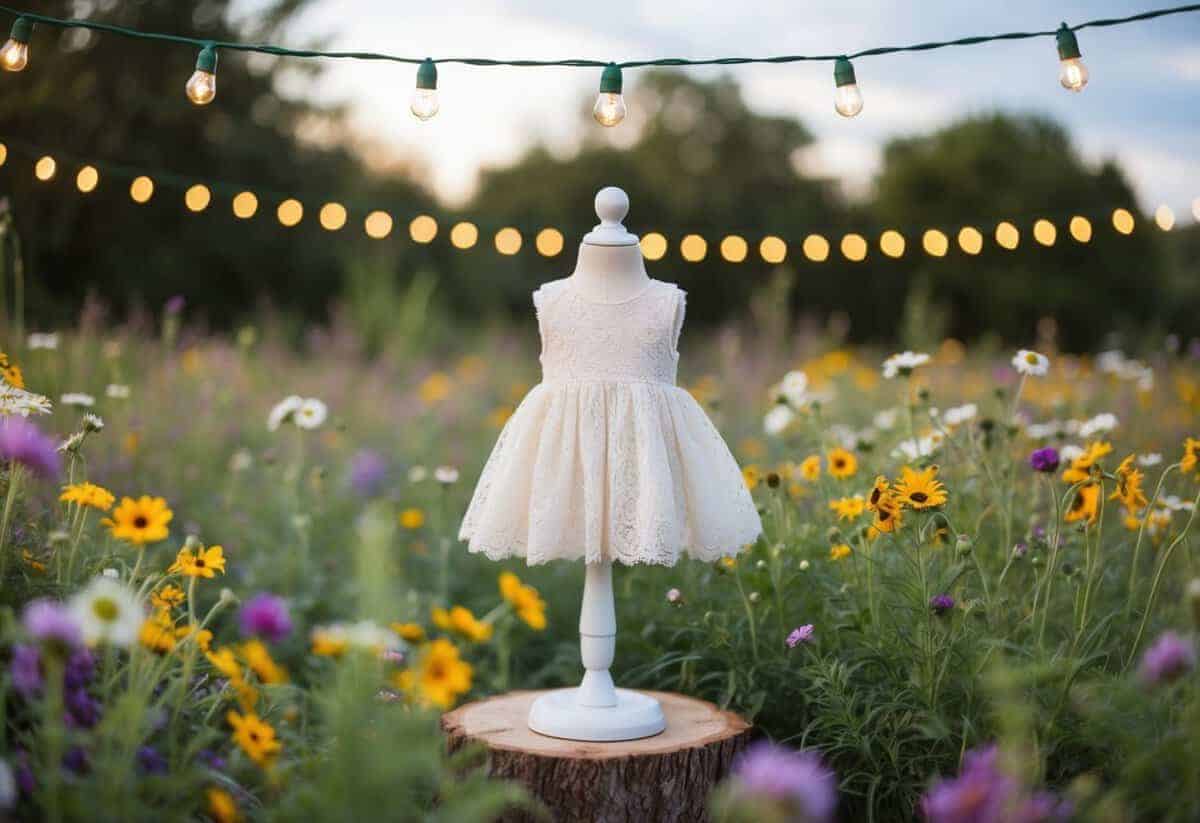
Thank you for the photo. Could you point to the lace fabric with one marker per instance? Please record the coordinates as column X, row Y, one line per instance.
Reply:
column 607, row 459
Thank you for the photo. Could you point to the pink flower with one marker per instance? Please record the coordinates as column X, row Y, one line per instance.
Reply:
column 800, row 634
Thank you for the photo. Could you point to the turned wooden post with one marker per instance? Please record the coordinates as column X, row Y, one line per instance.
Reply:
column 663, row 778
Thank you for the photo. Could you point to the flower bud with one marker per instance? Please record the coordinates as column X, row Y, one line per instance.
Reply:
column 962, row 544
column 1193, row 595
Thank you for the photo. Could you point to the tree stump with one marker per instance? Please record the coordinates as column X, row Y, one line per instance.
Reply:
column 662, row 778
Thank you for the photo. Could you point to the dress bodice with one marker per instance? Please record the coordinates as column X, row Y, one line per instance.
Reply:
column 633, row 340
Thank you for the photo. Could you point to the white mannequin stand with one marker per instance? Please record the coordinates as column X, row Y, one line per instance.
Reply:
column 609, row 270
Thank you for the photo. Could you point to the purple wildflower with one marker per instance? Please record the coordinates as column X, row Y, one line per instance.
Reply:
column 26, row 782
column 25, row 670
column 1020, row 550
column 939, row 604
column 23, row 442
column 83, row 712
column 368, row 471
column 51, row 622
column 150, row 761
column 76, row 760
column 175, row 304
column 266, row 615
column 81, row 668
column 798, row 779
column 1169, row 657
column 800, row 634
column 211, row 759
column 1044, row 460
column 984, row 793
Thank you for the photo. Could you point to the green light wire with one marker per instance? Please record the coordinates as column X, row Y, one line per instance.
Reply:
column 280, row 51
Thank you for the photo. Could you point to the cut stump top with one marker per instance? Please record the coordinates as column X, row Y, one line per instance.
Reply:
column 500, row 723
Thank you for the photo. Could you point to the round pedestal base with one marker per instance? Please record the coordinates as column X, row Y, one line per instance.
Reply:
column 558, row 714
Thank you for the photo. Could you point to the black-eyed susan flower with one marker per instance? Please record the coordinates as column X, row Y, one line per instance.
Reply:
column 220, row 806
column 848, row 508
column 1129, row 486
column 525, row 600
column 11, row 372
column 752, row 476
column 259, row 659
column 1085, row 504
column 1191, row 456
column 255, row 736
column 438, row 677
column 158, row 632
column 89, row 495
column 459, row 619
column 919, row 490
column 167, row 597
column 889, row 515
column 410, row 632
column 203, row 637
column 810, row 468
column 1081, row 467
column 842, row 463
column 140, row 521
column 881, row 488
column 201, row 562
column 840, row 551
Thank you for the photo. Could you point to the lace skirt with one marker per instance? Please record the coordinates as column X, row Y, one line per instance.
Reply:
column 618, row 471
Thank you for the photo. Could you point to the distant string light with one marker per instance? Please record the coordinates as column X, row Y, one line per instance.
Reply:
column 610, row 107
column 550, row 242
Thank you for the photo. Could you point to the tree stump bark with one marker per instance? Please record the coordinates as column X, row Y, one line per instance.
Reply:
column 662, row 778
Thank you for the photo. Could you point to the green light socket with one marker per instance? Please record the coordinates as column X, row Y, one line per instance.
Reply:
column 610, row 79
column 427, row 74
column 207, row 60
column 843, row 72
column 1068, row 46
column 22, row 29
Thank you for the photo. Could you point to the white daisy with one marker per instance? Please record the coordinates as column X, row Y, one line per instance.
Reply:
column 310, row 414
column 794, row 388
column 364, row 634
column 19, row 401
column 778, row 419
column 445, row 475
column 1148, row 460
column 921, row 447
column 241, row 460
column 903, row 363
column 108, row 612
column 1030, row 362
column 1043, row 431
column 1099, row 424
column 43, row 340
column 417, row 474
column 111, row 573
column 78, row 398
column 283, row 412
column 960, row 414
column 1069, row 452
column 886, row 419
column 1110, row 362
column 93, row 422
column 117, row 391
column 1175, row 503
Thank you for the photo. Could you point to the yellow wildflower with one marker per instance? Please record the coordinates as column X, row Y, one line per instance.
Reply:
column 255, row 736
column 435, row 388
column 1080, row 468
column 203, row 636
column 11, row 372
column 412, row 518
column 842, row 463
column 848, row 508
column 220, row 806
column 882, row 487
column 459, row 619
column 158, row 632
column 140, row 521
column 167, row 597
column 201, row 563
column 260, row 661
column 1191, row 456
column 524, row 599
column 889, row 515
column 410, row 632
column 87, row 494
column 1129, row 486
column 919, row 490
column 839, row 552
column 439, row 676
column 1085, row 504
column 752, row 476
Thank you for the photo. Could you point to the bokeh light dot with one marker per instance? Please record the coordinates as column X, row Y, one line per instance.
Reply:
column 423, row 229
column 734, row 248
column 1164, row 217
column 4, row 154
column 141, row 189
column 1044, row 232
column 693, row 247
column 464, row 235
column 549, row 242
column 1008, row 236
column 197, row 197
column 970, row 240
column 332, row 216
column 290, row 212
column 87, row 179
column 935, row 242
column 378, row 225
column 772, row 249
column 508, row 240
column 854, row 247
column 892, row 243
column 654, row 246
column 816, row 248
column 44, row 168
column 1080, row 228
column 1122, row 221
column 245, row 205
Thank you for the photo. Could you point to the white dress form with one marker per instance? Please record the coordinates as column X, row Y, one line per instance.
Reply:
column 609, row 270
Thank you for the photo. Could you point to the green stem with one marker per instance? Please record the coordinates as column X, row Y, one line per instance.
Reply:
column 14, row 477
column 1137, row 546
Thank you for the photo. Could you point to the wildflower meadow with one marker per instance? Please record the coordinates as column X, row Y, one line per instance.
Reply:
column 232, row 587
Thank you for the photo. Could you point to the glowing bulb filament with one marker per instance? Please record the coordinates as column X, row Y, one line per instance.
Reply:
column 610, row 105
column 14, row 54
column 847, row 99
column 202, row 85
column 1072, row 74
column 424, row 102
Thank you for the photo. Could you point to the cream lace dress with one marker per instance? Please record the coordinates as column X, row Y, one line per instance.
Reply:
column 606, row 458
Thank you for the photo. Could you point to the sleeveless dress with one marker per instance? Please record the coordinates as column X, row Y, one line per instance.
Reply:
column 607, row 459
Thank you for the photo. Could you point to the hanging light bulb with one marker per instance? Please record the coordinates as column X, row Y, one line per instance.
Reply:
column 847, row 99
column 14, row 54
column 202, row 85
column 1071, row 72
column 424, row 104
column 610, row 105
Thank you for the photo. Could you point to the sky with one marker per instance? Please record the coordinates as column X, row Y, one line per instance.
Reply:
column 1141, row 107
